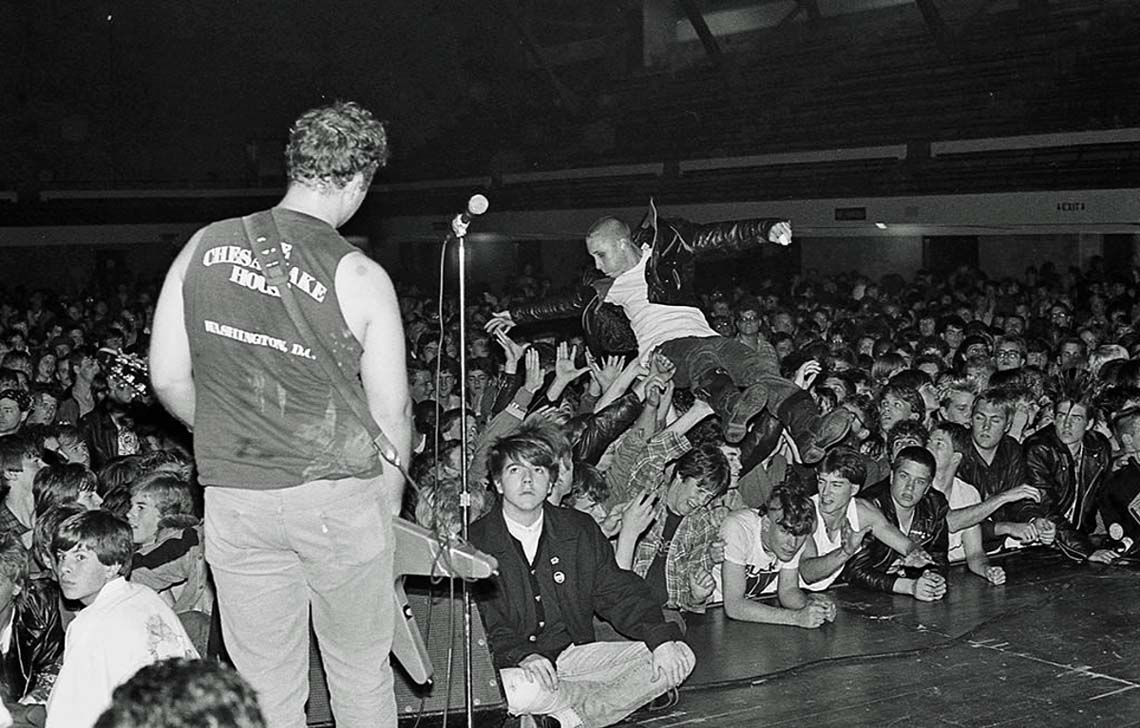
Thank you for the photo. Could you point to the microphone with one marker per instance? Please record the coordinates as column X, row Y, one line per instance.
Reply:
column 476, row 206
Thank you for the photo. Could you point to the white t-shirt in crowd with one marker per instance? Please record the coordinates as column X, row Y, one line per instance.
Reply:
column 740, row 532
column 653, row 323
column 961, row 495
column 825, row 544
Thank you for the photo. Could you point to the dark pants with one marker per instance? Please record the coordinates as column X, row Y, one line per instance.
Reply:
column 695, row 356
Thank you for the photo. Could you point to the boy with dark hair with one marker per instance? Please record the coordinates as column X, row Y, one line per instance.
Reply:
column 843, row 521
column 556, row 571
column 181, row 693
column 762, row 551
column 668, row 530
column 907, row 501
column 122, row 627
column 1068, row 463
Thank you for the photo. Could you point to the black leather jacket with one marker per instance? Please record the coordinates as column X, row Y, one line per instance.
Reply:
column 37, row 640
column 1050, row 467
column 670, row 271
column 869, row 567
column 602, row 428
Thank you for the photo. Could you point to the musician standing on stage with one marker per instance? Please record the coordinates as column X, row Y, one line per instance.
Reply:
column 298, row 507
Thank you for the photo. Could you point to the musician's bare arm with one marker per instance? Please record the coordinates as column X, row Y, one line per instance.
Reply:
column 368, row 303
column 171, row 375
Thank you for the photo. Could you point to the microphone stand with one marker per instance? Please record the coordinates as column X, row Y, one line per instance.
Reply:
column 465, row 488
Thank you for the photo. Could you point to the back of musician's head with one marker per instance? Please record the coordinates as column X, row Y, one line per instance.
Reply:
column 329, row 145
column 181, row 693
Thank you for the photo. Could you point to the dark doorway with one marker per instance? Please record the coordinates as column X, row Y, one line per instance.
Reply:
column 944, row 254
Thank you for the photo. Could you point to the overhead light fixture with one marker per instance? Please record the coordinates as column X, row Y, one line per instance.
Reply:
column 881, row 225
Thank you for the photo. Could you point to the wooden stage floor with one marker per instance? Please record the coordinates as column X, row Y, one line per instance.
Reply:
column 1057, row 645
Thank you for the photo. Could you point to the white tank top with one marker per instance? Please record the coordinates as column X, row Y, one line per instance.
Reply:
column 825, row 544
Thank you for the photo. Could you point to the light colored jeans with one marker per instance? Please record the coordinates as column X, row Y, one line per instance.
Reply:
column 326, row 546
column 598, row 684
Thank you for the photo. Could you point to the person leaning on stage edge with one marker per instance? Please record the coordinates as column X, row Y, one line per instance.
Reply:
column 298, row 507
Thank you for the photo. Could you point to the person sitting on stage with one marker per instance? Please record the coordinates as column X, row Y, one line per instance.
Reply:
column 1068, row 463
column 762, row 551
column 122, row 627
column 919, row 512
column 646, row 300
column 556, row 571
column 949, row 442
column 843, row 521
column 995, row 465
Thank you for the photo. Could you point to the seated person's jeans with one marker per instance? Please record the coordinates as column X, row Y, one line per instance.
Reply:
column 598, row 684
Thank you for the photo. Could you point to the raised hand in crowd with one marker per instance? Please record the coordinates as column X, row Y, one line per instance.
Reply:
column 534, row 374
column 806, row 374
column 662, row 366
column 512, row 351
column 499, row 321
column 781, row 233
column 603, row 375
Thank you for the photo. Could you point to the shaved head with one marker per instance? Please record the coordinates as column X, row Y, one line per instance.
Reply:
column 611, row 229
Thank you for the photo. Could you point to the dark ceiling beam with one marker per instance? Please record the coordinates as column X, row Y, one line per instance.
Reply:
column 708, row 40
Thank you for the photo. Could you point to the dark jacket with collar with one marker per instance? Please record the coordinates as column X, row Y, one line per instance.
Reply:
column 669, row 273
column 1050, row 467
column 572, row 545
column 36, row 649
column 868, row 568
column 1005, row 472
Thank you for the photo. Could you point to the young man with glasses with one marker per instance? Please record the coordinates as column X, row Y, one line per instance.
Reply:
column 748, row 326
column 1009, row 353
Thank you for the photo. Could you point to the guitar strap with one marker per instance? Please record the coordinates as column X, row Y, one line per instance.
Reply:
column 265, row 239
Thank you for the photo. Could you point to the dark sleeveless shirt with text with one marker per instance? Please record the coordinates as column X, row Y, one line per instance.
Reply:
column 266, row 415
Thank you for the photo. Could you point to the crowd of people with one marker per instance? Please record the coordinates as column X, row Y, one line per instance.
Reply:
column 955, row 418
column 631, row 450
column 964, row 417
